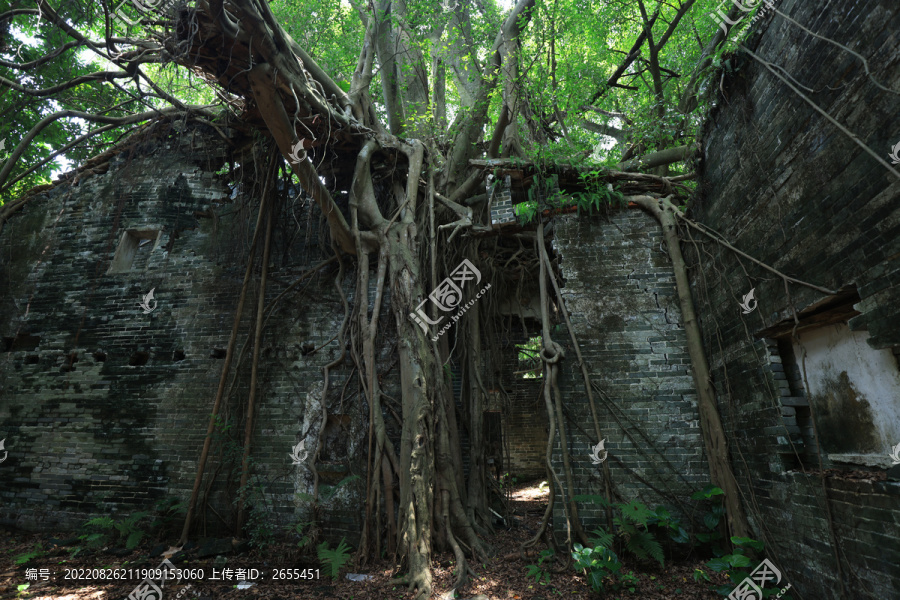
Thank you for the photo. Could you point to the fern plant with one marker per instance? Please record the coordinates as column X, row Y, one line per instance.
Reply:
column 105, row 531
column 632, row 526
column 21, row 559
column 334, row 559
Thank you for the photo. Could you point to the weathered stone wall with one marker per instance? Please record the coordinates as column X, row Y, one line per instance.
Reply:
column 104, row 408
column 620, row 291
column 789, row 188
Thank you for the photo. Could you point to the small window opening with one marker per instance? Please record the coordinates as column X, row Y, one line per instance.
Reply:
column 139, row 359
column 218, row 353
column 21, row 341
column 530, row 364
column 99, row 356
column 178, row 356
column 134, row 250
column 794, row 435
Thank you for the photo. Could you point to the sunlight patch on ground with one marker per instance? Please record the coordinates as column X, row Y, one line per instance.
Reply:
column 531, row 493
column 88, row 593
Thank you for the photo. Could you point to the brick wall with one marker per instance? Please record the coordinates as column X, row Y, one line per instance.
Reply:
column 620, row 291
column 522, row 411
column 104, row 408
column 816, row 206
column 501, row 202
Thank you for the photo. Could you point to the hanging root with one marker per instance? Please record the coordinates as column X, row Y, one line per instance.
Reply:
column 548, row 513
column 607, row 479
column 551, row 354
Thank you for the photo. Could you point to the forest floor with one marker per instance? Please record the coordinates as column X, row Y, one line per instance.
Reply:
column 504, row 577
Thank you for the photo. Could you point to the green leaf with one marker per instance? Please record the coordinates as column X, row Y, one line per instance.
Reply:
column 602, row 538
column 636, row 512
column 718, row 564
column 710, row 520
column 745, row 541
column 334, row 559
column 739, row 560
column 644, row 545
column 681, row 536
column 707, row 493
column 134, row 539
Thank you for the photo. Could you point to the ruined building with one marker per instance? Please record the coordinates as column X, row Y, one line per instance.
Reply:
column 105, row 391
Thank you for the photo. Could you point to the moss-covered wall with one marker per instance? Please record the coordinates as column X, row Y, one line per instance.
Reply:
column 788, row 187
column 104, row 407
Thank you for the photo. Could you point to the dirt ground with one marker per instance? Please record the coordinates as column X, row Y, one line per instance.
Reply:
column 503, row 578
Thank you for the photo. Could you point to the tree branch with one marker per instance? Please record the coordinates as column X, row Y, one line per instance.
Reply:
column 43, row 123
column 663, row 157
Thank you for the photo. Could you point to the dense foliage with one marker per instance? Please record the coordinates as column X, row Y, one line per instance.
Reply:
column 568, row 55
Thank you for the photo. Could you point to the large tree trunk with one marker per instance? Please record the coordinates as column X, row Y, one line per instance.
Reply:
column 710, row 423
column 311, row 118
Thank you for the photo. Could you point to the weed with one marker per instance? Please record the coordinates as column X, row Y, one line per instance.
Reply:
column 537, row 571
column 334, row 559
column 101, row 532
column 37, row 552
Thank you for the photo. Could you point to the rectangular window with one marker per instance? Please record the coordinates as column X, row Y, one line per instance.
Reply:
column 530, row 364
column 134, row 250
column 828, row 373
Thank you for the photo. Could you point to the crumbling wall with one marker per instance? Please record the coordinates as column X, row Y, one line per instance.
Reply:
column 104, row 406
column 789, row 188
column 619, row 288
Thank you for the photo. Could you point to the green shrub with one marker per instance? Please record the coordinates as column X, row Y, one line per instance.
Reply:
column 735, row 565
column 602, row 568
column 537, row 571
column 711, row 519
column 101, row 532
column 632, row 526
column 21, row 559
column 334, row 559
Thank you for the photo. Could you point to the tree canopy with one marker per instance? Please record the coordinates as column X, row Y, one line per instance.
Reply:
column 581, row 71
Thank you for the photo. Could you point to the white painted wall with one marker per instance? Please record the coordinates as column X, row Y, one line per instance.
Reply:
column 873, row 373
